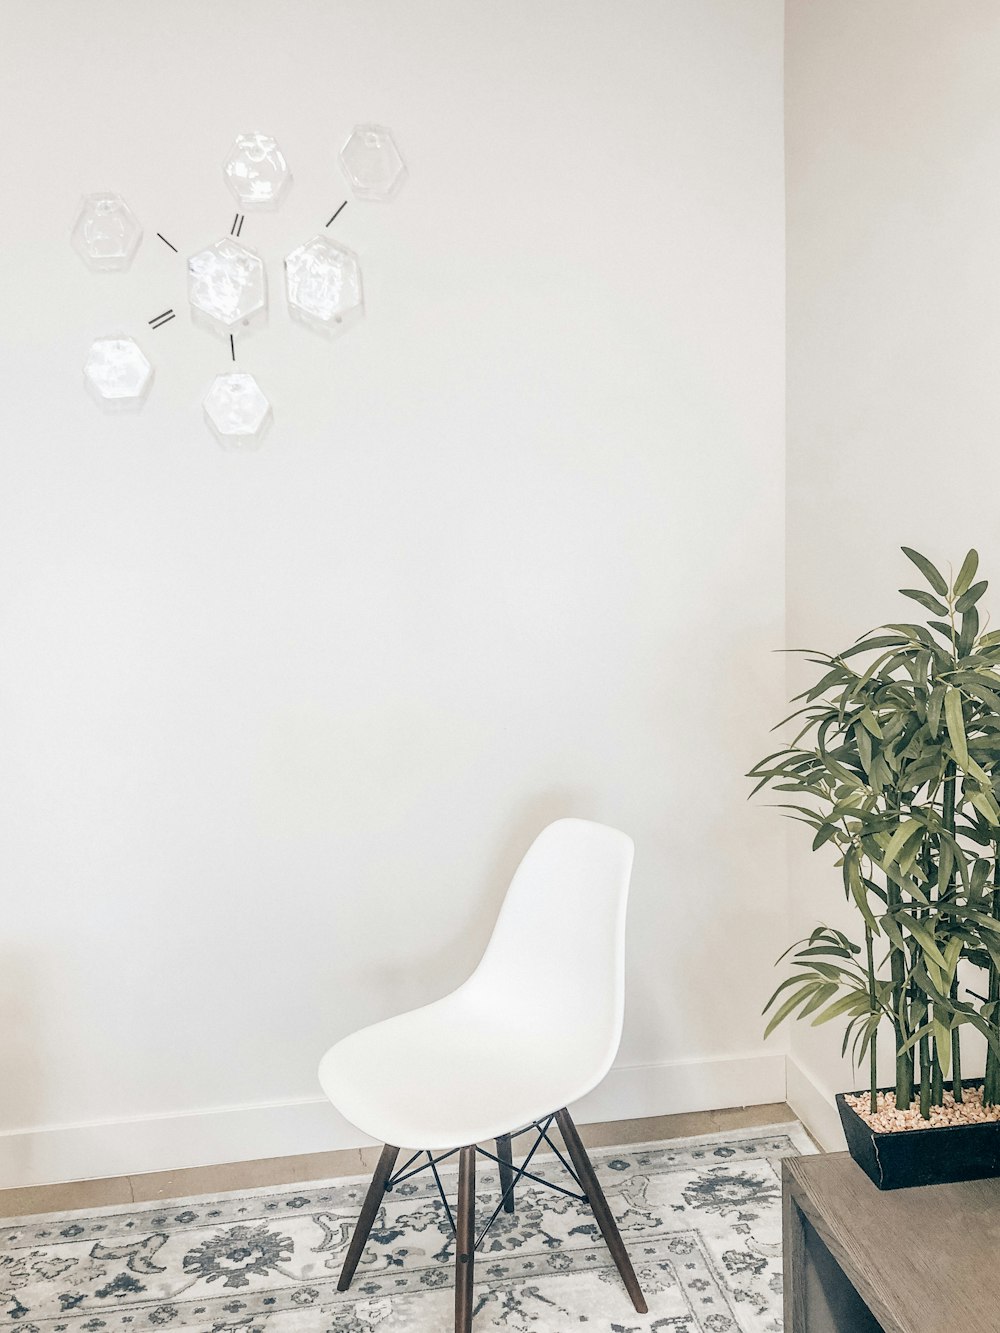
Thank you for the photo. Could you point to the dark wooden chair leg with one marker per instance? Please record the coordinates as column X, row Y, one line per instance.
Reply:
column 465, row 1239
column 506, row 1172
column 369, row 1211
column 599, row 1204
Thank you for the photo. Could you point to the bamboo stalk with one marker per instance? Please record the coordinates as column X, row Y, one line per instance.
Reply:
column 956, row 1054
column 904, row 1073
column 930, row 1068
column 925, row 1075
column 991, row 1082
column 873, row 1047
column 948, row 819
column 937, row 1076
column 897, row 966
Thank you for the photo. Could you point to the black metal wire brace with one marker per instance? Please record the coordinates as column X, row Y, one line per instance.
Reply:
column 519, row 1173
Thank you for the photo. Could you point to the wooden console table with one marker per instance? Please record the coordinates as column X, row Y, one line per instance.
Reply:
column 861, row 1260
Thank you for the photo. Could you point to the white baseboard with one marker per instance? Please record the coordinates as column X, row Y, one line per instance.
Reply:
column 280, row 1129
column 634, row 1091
column 165, row 1143
column 815, row 1106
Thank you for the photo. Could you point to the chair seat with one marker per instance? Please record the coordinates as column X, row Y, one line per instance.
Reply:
column 454, row 1072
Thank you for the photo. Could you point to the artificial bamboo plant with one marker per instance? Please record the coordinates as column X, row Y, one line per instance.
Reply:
column 896, row 762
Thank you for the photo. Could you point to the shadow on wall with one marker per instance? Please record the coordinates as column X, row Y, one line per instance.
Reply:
column 467, row 930
column 20, row 1047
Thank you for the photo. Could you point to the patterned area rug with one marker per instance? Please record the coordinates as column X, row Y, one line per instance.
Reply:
column 701, row 1219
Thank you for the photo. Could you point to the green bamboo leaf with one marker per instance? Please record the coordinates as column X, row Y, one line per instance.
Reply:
column 952, row 953
column 797, row 978
column 976, row 771
column 924, row 636
column 932, row 575
column 986, row 675
column 825, row 951
column 836, row 937
column 893, row 931
column 909, row 828
column 944, row 629
column 837, row 676
column 956, row 726
column 834, row 971
column 934, row 706
column 986, row 804
column 768, row 758
column 967, row 634
column 971, row 597
column 967, row 573
column 980, row 874
column 926, row 600
column 864, row 743
column 870, row 722
column 925, row 938
column 983, row 692
column 857, row 1002
column 883, row 660
column 946, row 864
column 790, row 1004
column 984, row 922
column 826, row 832
column 823, row 993
column 866, row 1034
column 855, row 886
column 869, row 644
column 925, row 1030
column 942, row 1037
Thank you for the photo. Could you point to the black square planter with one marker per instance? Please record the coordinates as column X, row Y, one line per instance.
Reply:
column 922, row 1156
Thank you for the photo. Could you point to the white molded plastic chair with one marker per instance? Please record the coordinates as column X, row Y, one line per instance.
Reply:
column 535, row 1027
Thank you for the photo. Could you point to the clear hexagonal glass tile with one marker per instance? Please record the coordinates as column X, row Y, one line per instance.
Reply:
column 256, row 171
column 227, row 286
column 237, row 410
column 117, row 373
column 372, row 163
column 323, row 285
column 106, row 233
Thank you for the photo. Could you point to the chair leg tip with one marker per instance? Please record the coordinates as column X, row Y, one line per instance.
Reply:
column 640, row 1305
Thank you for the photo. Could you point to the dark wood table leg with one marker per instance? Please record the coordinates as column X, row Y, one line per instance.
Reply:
column 465, row 1239
column 369, row 1211
column 599, row 1204
column 506, row 1173
column 793, row 1262
column 819, row 1297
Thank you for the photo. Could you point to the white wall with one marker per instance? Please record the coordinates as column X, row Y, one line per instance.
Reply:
column 893, row 136
column 277, row 728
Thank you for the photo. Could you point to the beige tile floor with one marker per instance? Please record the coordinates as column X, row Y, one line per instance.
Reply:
column 349, row 1162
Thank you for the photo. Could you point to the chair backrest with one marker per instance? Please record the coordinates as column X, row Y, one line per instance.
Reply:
column 557, row 951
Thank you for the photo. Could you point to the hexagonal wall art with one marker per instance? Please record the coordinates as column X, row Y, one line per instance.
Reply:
column 256, row 171
column 227, row 286
column 117, row 373
column 237, row 410
column 106, row 233
column 372, row 163
column 323, row 285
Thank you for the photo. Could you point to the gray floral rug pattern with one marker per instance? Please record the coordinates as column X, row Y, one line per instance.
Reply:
column 701, row 1219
